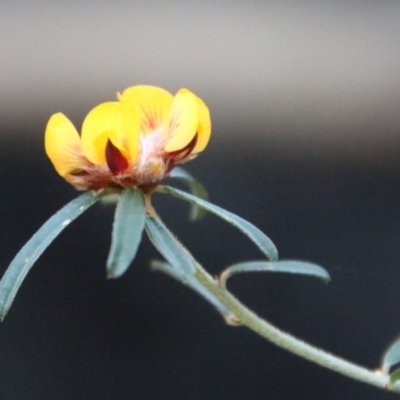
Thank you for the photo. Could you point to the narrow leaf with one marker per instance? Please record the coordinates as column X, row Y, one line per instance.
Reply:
column 259, row 238
column 168, row 269
column 168, row 245
column 287, row 266
column 194, row 284
column 127, row 231
column 196, row 188
column 391, row 356
column 27, row 256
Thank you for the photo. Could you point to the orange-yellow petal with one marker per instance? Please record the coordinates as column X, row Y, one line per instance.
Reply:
column 204, row 128
column 184, row 121
column 152, row 103
column 112, row 121
column 63, row 145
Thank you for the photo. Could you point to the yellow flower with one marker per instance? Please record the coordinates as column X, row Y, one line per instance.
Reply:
column 134, row 142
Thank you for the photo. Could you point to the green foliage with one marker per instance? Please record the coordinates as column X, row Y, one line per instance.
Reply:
column 263, row 242
column 196, row 188
column 27, row 256
column 134, row 213
column 127, row 231
column 166, row 243
column 193, row 283
column 286, row 266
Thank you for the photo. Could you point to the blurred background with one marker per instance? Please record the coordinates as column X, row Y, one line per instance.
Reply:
column 305, row 100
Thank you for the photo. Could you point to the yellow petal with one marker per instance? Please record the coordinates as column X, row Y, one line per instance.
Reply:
column 63, row 145
column 152, row 103
column 115, row 121
column 184, row 121
column 204, row 128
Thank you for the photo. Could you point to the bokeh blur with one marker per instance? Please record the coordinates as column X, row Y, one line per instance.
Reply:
column 305, row 100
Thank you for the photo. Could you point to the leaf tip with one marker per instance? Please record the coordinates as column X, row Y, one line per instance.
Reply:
column 3, row 314
column 111, row 272
column 112, row 275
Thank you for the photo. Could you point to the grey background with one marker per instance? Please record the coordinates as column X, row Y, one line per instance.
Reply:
column 305, row 100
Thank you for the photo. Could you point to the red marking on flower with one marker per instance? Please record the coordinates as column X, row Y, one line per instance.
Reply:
column 173, row 123
column 115, row 160
column 180, row 154
column 150, row 118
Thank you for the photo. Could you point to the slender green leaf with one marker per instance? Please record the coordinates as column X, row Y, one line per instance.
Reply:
column 196, row 188
column 194, row 284
column 162, row 266
column 27, row 256
column 168, row 245
column 391, row 356
column 259, row 238
column 127, row 231
column 287, row 266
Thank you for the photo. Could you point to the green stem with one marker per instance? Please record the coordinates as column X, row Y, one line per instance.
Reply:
column 241, row 315
column 290, row 343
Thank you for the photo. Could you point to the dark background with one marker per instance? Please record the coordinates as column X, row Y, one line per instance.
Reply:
column 305, row 106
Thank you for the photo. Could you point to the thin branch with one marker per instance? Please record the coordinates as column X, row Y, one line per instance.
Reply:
column 241, row 315
column 289, row 342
